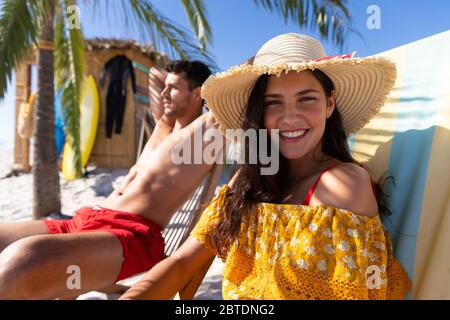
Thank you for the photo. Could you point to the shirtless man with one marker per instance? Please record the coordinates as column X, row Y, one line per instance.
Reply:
column 106, row 245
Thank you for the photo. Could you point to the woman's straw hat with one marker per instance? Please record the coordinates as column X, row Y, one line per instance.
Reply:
column 361, row 84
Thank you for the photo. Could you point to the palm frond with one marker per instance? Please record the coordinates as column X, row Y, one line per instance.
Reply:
column 165, row 35
column 196, row 14
column 70, row 68
column 172, row 37
column 330, row 18
column 20, row 25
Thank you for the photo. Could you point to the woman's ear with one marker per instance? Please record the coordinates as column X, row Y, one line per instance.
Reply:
column 331, row 104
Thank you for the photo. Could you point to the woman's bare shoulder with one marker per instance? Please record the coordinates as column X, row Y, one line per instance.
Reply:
column 347, row 186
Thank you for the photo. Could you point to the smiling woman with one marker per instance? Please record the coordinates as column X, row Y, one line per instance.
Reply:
column 311, row 99
column 312, row 230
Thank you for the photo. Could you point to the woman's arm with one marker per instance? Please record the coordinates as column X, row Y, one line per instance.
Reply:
column 170, row 275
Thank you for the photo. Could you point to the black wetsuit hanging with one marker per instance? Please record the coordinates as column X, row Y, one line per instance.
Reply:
column 119, row 69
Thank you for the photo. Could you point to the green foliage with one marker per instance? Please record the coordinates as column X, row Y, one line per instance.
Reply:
column 20, row 24
column 69, row 70
column 330, row 17
column 196, row 13
column 142, row 17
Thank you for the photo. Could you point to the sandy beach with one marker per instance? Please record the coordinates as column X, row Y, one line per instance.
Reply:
column 16, row 204
column 16, row 191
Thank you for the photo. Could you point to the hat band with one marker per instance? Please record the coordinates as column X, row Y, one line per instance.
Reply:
column 340, row 56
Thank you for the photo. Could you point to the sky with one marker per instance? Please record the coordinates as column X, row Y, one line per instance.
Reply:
column 239, row 28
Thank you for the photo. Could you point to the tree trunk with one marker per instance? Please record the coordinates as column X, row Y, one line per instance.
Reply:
column 46, row 188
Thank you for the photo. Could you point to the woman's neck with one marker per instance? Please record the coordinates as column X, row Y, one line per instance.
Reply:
column 301, row 173
column 312, row 163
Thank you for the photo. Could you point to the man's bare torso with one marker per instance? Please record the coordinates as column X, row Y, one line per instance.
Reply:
column 155, row 187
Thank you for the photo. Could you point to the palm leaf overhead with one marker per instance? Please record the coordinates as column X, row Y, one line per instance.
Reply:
column 330, row 17
column 167, row 36
column 196, row 13
column 20, row 24
column 69, row 68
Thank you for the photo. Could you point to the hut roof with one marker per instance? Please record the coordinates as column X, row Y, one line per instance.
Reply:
column 106, row 44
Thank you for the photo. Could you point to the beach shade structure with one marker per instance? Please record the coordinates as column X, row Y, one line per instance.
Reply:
column 410, row 140
column 120, row 150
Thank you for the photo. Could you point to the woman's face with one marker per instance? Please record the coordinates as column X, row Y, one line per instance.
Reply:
column 296, row 105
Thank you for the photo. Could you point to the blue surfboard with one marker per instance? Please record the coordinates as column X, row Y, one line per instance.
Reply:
column 60, row 135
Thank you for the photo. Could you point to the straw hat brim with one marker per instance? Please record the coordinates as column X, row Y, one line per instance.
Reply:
column 361, row 84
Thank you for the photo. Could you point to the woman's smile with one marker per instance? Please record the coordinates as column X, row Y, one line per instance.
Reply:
column 293, row 136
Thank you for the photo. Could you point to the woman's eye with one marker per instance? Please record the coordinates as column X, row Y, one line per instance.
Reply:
column 270, row 103
column 307, row 99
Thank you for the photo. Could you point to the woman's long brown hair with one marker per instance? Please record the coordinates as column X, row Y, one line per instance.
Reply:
column 251, row 187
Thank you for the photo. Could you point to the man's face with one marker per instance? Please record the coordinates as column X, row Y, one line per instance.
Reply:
column 177, row 98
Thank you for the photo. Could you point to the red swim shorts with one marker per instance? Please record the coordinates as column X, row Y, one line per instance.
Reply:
column 141, row 239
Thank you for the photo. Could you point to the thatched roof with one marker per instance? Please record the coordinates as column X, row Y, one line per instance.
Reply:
column 147, row 50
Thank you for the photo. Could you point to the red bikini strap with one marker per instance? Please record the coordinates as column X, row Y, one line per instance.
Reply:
column 314, row 186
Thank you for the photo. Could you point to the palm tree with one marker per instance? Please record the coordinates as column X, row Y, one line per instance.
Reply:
column 46, row 188
column 45, row 24
column 22, row 24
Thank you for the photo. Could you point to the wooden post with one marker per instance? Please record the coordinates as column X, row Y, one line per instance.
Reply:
column 26, row 142
column 23, row 80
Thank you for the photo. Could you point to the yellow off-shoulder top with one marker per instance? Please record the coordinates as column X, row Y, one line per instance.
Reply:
column 306, row 252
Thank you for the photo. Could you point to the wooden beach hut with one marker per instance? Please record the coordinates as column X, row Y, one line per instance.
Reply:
column 120, row 150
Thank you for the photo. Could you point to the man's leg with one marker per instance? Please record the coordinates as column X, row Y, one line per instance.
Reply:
column 11, row 232
column 52, row 266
